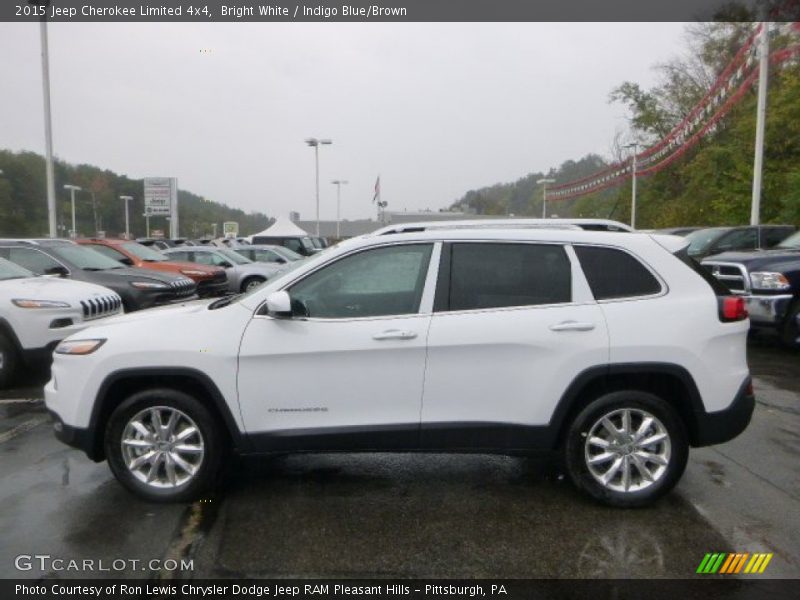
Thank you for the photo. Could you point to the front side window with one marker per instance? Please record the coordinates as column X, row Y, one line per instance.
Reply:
column 9, row 270
column 373, row 283
column 143, row 252
column 31, row 259
column 178, row 256
column 266, row 256
column 497, row 275
column 108, row 251
column 614, row 274
column 741, row 239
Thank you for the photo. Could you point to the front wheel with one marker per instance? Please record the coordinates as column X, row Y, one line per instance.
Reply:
column 8, row 361
column 164, row 446
column 252, row 283
column 790, row 331
column 626, row 449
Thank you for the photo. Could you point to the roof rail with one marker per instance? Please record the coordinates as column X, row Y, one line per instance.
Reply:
column 587, row 224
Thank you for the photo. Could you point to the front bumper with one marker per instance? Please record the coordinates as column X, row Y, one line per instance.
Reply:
column 210, row 289
column 77, row 437
column 767, row 311
column 724, row 425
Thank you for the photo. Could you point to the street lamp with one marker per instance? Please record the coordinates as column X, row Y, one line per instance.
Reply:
column 543, row 183
column 338, row 183
column 72, row 189
column 127, row 222
column 315, row 143
column 635, row 146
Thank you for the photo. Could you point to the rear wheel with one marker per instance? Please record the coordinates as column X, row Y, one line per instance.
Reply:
column 251, row 283
column 626, row 449
column 790, row 331
column 164, row 446
column 8, row 361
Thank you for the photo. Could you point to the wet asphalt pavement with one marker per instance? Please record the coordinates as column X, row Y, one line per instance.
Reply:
column 381, row 515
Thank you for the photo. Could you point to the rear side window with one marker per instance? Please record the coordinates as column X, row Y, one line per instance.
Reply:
column 488, row 275
column 615, row 274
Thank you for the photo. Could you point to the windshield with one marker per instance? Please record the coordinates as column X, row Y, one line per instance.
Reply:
column 793, row 241
column 85, row 258
column 700, row 240
column 143, row 252
column 234, row 257
column 286, row 253
column 9, row 270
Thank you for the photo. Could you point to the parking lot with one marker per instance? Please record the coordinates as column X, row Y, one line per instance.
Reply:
column 414, row 515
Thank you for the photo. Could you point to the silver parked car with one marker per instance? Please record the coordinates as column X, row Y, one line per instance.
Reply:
column 243, row 274
column 266, row 253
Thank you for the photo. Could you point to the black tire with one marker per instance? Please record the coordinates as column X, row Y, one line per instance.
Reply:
column 576, row 448
column 8, row 361
column 214, row 453
column 251, row 281
column 790, row 330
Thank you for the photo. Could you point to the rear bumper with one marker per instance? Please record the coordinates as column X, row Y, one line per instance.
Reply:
column 767, row 311
column 724, row 425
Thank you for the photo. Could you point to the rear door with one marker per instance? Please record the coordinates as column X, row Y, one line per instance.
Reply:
column 513, row 325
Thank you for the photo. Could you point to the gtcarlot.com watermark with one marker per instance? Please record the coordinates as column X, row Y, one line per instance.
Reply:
column 48, row 563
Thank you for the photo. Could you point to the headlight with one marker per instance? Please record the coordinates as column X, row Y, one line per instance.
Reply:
column 149, row 285
column 192, row 273
column 769, row 281
column 79, row 347
column 24, row 303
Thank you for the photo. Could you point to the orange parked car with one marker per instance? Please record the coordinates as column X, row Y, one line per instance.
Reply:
column 211, row 281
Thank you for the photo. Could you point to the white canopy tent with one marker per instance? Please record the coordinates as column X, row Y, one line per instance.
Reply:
column 282, row 227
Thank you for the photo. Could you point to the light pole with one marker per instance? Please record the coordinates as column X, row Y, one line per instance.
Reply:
column 72, row 189
column 543, row 183
column 315, row 143
column 635, row 146
column 127, row 222
column 761, row 117
column 338, row 183
column 48, row 127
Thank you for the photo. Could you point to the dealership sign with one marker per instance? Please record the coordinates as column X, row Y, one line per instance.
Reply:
column 160, row 195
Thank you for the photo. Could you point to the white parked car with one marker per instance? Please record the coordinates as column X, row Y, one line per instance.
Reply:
column 38, row 312
column 614, row 349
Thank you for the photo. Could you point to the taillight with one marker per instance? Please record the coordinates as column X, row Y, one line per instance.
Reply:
column 732, row 308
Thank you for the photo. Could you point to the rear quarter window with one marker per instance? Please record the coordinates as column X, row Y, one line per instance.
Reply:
column 614, row 274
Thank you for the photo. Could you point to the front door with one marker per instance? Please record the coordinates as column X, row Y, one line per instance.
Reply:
column 346, row 372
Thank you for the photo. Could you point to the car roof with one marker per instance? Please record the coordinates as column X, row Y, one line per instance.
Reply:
column 43, row 242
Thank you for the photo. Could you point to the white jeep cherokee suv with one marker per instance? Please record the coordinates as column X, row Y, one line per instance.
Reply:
column 615, row 349
column 38, row 312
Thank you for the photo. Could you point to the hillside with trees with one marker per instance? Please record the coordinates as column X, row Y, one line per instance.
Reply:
column 23, row 202
column 711, row 183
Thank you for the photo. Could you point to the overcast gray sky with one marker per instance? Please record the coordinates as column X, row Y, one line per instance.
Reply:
column 435, row 109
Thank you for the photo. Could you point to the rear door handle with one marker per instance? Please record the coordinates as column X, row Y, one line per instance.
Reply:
column 394, row 334
column 572, row 326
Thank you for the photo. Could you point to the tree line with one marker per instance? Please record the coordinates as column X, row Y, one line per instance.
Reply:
column 23, row 202
column 711, row 183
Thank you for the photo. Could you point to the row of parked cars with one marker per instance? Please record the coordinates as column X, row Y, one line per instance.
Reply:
column 51, row 288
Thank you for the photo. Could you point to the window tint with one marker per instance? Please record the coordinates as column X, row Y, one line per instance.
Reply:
column 33, row 260
column 740, row 239
column 500, row 275
column 379, row 282
column 772, row 236
column 615, row 274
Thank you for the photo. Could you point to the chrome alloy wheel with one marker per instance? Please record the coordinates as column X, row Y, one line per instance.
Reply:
column 627, row 450
column 162, row 447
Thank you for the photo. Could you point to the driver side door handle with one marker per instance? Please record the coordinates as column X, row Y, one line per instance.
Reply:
column 572, row 326
column 395, row 334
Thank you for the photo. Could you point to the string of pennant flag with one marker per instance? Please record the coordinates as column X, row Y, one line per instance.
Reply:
column 728, row 89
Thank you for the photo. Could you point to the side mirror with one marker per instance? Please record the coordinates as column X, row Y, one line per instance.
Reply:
column 126, row 261
column 225, row 265
column 57, row 270
column 280, row 260
column 279, row 305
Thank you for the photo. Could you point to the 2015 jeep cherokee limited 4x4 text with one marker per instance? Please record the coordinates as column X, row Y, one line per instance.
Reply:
column 615, row 349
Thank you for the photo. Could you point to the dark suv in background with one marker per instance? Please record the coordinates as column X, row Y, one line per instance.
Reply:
column 716, row 240
column 138, row 288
